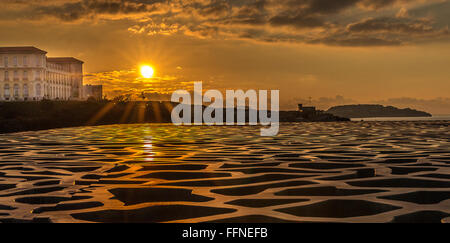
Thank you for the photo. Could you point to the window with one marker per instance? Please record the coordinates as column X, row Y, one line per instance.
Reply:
column 25, row 75
column 16, row 90
column 6, row 75
column 25, row 91
column 37, row 75
column 6, row 89
column 15, row 61
column 6, row 61
column 16, row 74
column 38, row 89
column 25, row 61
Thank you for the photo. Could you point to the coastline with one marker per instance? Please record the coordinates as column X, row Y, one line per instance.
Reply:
column 432, row 118
column 45, row 115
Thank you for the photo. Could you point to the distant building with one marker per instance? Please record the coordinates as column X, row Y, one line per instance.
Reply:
column 306, row 109
column 26, row 73
column 93, row 91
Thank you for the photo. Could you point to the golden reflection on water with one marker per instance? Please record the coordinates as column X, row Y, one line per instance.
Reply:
column 148, row 148
column 197, row 173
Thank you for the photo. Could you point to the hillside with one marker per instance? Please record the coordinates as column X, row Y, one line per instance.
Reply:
column 367, row 111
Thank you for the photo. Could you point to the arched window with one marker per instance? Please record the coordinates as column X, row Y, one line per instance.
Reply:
column 25, row 91
column 38, row 89
column 16, row 90
column 7, row 92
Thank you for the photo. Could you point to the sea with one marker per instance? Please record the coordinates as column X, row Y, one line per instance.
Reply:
column 346, row 172
column 433, row 118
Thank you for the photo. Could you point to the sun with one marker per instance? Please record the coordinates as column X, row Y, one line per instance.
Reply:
column 147, row 71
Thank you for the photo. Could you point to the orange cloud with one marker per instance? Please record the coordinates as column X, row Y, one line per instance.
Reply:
column 298, row 21
column 123, row 82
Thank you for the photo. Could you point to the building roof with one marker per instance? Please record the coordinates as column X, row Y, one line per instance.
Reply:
column 21, row 50
column 63, row 60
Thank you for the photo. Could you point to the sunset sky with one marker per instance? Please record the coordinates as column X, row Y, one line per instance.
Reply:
column 394, row 52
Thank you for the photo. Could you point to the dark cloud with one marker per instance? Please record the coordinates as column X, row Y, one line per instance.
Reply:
column 254, row 13
column 299, row 21
column 215, row 9
column 345, row 40
column 72, row 11
column 329, row 6
column 329, row 22
column 378, row 4
column 393, row 25
column 309, row 13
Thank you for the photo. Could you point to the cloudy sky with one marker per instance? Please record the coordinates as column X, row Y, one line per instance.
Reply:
column 334, row 51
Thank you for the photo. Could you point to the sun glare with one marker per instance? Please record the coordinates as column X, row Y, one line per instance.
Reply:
column 147, row 71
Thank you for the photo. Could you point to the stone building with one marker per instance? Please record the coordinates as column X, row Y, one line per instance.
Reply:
column 93, row 91
column 27, row 74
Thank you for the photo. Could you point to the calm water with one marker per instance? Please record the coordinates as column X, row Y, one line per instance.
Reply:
column 433, row 118
column 311, row 172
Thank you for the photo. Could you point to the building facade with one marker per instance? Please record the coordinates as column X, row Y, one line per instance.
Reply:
column 93, row 91
column 27, row 74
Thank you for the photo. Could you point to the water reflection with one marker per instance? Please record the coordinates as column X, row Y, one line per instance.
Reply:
column 386, row 171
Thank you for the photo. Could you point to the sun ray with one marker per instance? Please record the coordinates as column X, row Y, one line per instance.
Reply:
column 100, row 114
